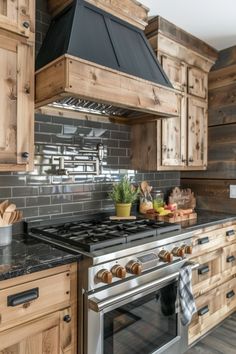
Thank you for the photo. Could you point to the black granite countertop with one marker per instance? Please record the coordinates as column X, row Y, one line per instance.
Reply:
column 27, row 255
column 207, row 218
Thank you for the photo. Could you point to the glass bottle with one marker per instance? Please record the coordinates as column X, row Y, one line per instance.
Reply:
column 158, row 199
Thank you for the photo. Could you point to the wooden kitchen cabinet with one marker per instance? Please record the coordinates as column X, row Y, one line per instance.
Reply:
column 42, row 323
column 17, row 16
column 17, row 103
column 214, row 282
column 180, row 143
column 50, row 334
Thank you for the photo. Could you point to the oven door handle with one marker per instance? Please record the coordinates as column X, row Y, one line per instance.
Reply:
column 99, row 305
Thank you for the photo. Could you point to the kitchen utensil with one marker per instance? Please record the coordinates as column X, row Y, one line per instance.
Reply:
column 1, row 221
column 3, row 206
column 10, row 208
column 13, row 216
column 6, row 218
column 144, row 187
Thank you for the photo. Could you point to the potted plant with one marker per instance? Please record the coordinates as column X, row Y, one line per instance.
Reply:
column 123, row 194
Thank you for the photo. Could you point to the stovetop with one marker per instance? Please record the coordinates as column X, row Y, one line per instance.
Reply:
column 99, row 233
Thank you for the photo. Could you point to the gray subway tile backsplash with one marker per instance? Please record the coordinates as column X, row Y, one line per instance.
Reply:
column 41, row 195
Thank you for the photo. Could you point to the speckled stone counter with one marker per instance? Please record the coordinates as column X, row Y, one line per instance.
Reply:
column 28, row 255
column 207, row 218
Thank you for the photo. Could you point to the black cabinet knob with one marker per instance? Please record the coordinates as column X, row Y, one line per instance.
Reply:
column 67, row 318
column 26, row 24
column 25, row 155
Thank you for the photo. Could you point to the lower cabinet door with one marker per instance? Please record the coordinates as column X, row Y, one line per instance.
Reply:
column 212, row 308
column 229, row 260
column 51, row 334
column 208, row 273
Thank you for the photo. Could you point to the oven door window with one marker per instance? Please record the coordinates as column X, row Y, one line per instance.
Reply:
column 143, row 325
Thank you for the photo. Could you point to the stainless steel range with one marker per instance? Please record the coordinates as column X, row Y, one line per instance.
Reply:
column 128, row 282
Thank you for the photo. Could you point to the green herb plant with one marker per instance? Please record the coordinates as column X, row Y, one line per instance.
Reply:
column 124, row 192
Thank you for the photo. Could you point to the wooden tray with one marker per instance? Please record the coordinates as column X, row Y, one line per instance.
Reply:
column 122, row 217
column 177, row 218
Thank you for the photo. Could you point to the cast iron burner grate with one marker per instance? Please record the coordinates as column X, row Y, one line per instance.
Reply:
column 92, row 235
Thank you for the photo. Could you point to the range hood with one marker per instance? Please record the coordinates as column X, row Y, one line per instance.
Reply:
column 95, row 62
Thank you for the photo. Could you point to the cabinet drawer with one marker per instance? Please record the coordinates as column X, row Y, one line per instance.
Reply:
column 33, row 299
column 208, row 241
column 229, row 260
column 208, row 273
column 212, row 308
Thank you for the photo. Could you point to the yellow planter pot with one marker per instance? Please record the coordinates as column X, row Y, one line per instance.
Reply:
column 123, row 210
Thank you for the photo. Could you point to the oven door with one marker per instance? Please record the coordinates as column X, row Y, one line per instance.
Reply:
column 144, row 320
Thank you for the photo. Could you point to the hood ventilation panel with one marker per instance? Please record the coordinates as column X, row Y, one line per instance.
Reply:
column 92, row 61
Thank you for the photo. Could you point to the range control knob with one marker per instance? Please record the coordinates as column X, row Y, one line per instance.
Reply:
column 178, row 251
column 165, row 256
column 118, row 271
column 104, row 276
column 187, row 249
column 134, row 267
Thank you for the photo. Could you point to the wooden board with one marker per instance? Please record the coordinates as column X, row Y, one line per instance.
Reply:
column 212, row 194
column 178, row 219
column 91, row 81
column 223, row 96
column 131, row 11
column 226, row 57
column 123, row 217
column 184, row 198
column 160, row 24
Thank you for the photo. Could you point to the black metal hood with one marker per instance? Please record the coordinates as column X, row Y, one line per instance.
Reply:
column 85, row 31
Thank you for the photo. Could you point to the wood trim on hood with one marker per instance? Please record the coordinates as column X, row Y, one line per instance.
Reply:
column 69, row 76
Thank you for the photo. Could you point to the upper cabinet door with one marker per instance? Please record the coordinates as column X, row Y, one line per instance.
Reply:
column 174, row 138
column 17, row 16
column 197, row 133
column 175, row 71
column 197, row 82
column 17, row 105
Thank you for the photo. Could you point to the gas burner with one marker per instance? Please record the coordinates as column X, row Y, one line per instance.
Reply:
column 92, row 235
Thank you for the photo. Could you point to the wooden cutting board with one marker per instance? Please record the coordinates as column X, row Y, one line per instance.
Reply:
column 122, row 217
column 184, row 198
column 172, row 219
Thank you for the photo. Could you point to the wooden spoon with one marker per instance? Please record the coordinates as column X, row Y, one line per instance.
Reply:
column 3, row 206
column 1, row 221
column 13, row 216
column 6, row 218
column 144, row 186
column 10, row 208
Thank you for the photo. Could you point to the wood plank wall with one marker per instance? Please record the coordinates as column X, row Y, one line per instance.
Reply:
column 212, row 186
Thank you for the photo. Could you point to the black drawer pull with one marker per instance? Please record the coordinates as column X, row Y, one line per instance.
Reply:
column 21, row 298
column 203, row 270
column 230, row 233
column 230, row 294
column 203, row 310
column 67, row 318
column 230, row 259
column 203, row 240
